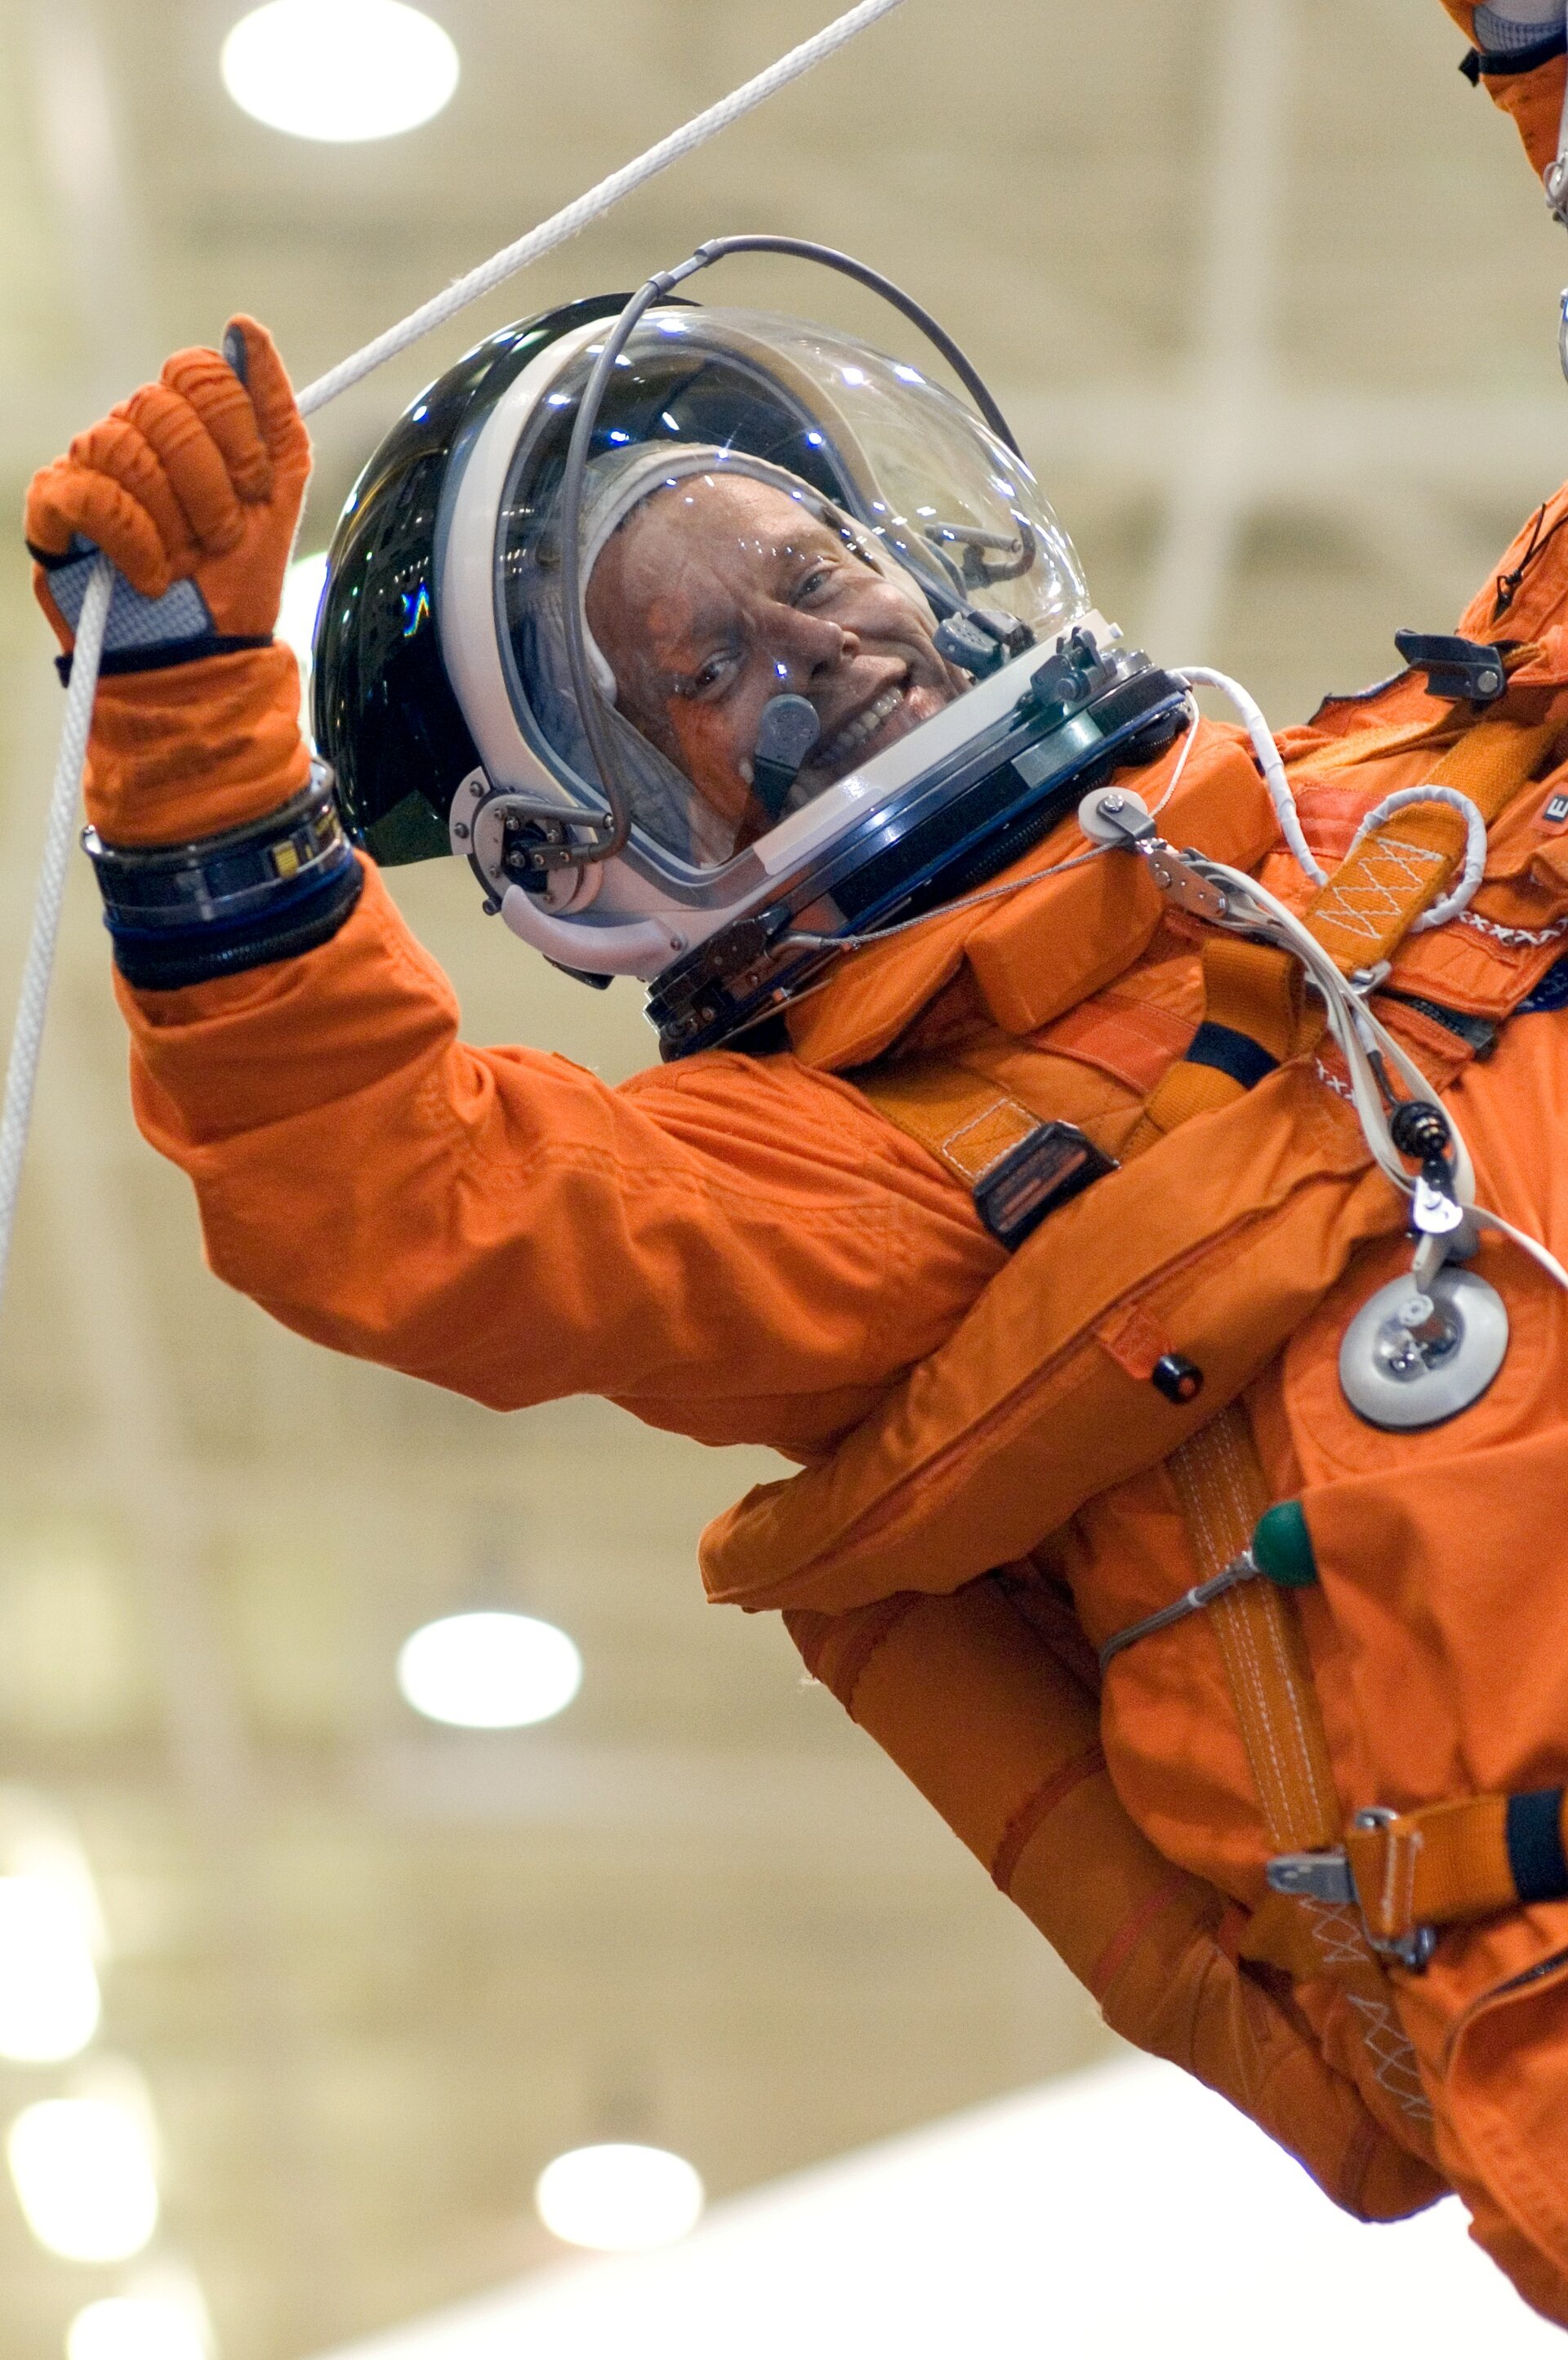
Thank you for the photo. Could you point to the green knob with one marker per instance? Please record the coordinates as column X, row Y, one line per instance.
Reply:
column 1282, row 1547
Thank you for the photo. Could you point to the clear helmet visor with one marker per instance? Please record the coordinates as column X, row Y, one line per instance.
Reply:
column 776, row 522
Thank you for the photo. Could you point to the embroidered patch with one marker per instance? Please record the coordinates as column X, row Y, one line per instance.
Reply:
column 1554, row 810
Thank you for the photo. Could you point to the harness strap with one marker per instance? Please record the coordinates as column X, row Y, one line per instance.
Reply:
column 1459, row 1860
column 1252, row 1023
column 1254, row 1017
column 1222, row 1493
column 1370, row 904
column 966, row 1121
column 1221, row 1486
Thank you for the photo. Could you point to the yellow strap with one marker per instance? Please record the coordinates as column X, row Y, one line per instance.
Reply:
column 1222, row 1493
column 1248, row 988
column 1221, row 1486
column 1438, row 1866
column 966, row 1121
column 1369, row 904
column 1361, row 916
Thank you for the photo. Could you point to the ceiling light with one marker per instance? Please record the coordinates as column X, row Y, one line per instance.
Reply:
column 619, row 2199
column 49, row 1990
column 83, row 2168
column 339, row 69
column 489, row 1671
column 134, row 2327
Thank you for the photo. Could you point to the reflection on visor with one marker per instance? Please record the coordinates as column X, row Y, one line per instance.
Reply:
column 776, row 524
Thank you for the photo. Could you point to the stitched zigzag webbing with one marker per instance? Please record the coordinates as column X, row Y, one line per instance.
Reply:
column 1361, row 916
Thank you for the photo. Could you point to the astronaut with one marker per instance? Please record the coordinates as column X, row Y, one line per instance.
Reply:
column 1000, row 1170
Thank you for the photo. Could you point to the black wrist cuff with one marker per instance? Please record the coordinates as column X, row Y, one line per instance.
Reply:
column 1478, row 65
column 278, row 886
column 162, row 655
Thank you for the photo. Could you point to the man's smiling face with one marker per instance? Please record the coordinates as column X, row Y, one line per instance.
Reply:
column 720, row 592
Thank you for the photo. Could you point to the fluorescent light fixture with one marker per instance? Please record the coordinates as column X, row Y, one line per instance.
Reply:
column 83, row 2175
column 339, row 69
column 49, row 2003
column 489, row 1671
column 134, row 2327
column 619, row 2199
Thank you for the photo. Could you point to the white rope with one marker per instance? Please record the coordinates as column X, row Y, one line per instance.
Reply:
column 27, row 1038
column 26, row 1032
column 588, row 208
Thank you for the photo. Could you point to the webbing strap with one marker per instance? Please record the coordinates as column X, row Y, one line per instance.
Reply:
column 1369, row 904
column 1460, row 1860
column 1252, row 1014
column 1252, row 1023
column 1222, row 1493
column 966, row 1121
column 1222, row 1490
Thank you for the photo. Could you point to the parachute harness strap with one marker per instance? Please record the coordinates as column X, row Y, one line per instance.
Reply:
column 26, row 1037
column 1234, row 904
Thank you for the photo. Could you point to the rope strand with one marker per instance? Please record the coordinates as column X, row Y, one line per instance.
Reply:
column 576, row 216
column 26, row 1032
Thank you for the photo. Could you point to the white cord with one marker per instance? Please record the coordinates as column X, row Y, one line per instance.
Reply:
column 589, row 207
column 26, row 1032
column 27, row 1038
column 1463, row 892
column 1282, row 796
column 1268, row 762
column 1364, row 1043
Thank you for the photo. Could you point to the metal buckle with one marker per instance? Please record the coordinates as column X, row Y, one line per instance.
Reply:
column 1412, row 1951
column 1313, row 1876
column 1326, row 1876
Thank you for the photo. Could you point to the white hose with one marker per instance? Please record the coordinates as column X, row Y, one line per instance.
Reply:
column 1268, row 762
column 1282, row 796
column 26, row 1037
column 1251, row 908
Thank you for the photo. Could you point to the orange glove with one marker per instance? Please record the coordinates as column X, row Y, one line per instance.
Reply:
column 192, row 488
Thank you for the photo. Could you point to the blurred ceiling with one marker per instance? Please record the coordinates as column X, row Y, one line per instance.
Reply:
column 1272, row 298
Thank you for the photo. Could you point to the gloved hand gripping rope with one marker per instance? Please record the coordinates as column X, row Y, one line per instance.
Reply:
column 87, row 602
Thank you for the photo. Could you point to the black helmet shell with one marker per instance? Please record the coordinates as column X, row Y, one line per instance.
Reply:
column 384, row 712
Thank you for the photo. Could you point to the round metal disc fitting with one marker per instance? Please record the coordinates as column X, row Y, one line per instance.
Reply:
column 1411, row 1360
column 1111, row 815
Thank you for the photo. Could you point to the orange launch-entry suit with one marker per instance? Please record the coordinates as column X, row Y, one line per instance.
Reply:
column 996, row 1480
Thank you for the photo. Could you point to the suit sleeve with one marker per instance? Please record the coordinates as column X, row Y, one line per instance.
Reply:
column 737, row 1248
column 1527, row 86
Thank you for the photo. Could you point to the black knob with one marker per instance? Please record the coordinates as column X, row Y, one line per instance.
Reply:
column 1178, row 1379
column 1420, row 1129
